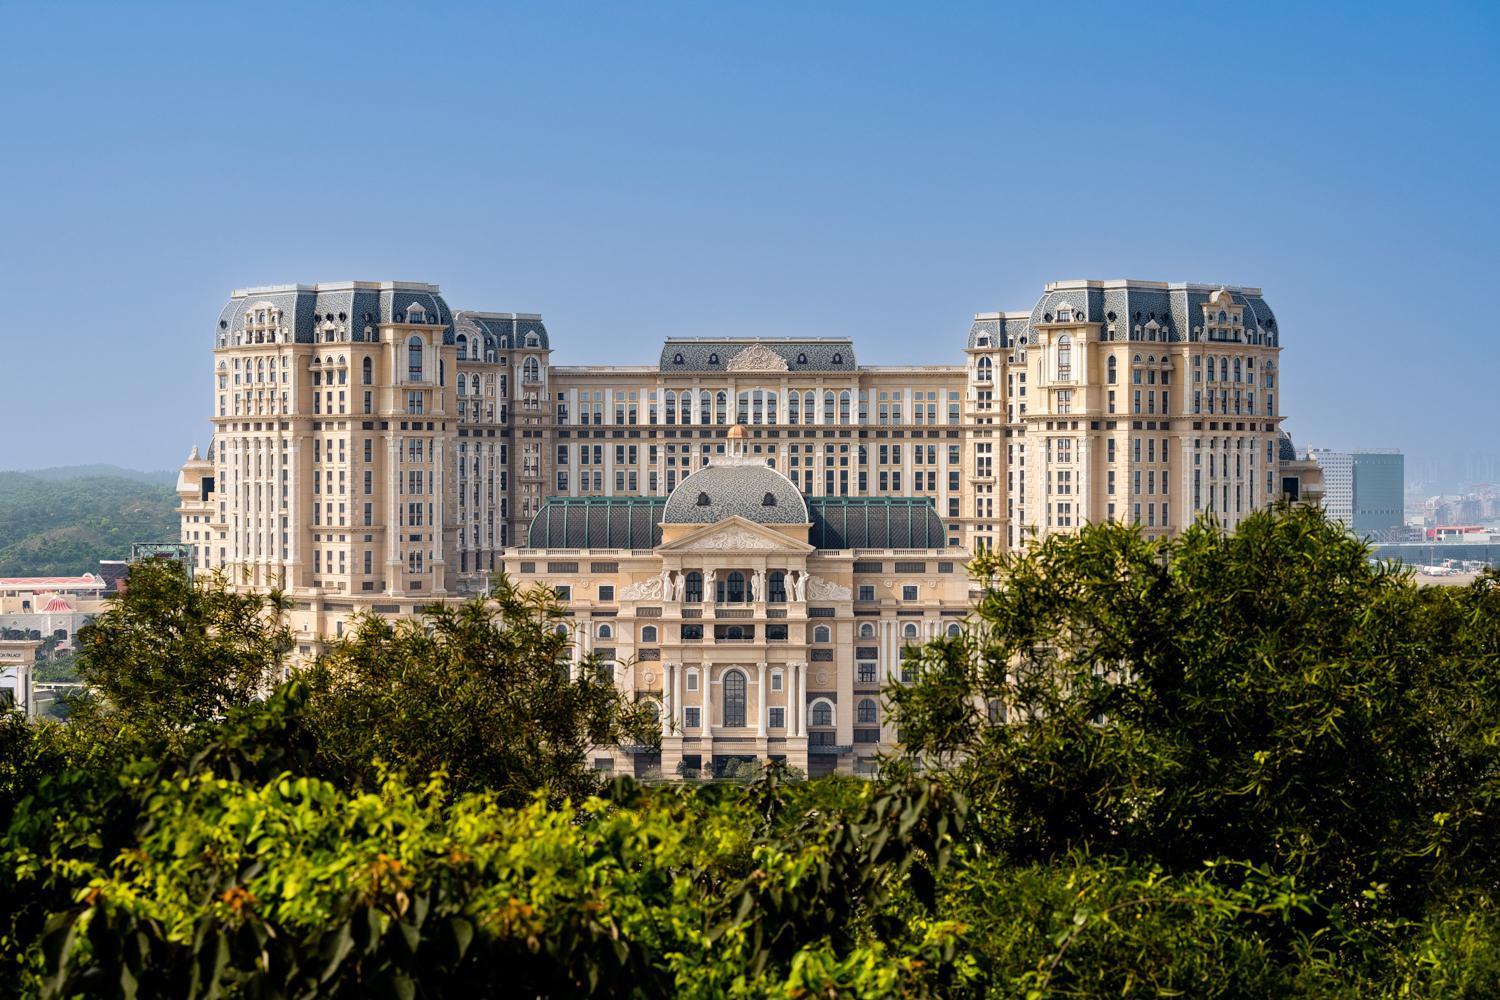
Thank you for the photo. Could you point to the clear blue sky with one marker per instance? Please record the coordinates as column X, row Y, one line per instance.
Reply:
column 646, row 170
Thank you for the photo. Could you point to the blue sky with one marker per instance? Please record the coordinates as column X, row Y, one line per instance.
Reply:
column 648, row 170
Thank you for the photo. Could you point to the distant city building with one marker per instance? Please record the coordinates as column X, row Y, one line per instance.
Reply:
column 1338, row 483
column 49, row 607
column 375, row 452
column 1365, row 490
column 1379, row 493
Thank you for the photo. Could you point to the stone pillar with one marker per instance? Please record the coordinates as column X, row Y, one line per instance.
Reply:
column 801, row 698
column 765, row 702
column 708, row 701
column 668, row 693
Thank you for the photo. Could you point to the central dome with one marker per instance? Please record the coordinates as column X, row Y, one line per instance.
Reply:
column 749, row 489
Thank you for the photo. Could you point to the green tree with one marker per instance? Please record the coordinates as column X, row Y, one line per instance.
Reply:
column 1268, row 694
column 170, row 653
column 482, row 692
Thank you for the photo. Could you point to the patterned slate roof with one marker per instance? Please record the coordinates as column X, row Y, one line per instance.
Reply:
column 351, row 309
column 501, row 331
column 1175, row 309
column 724, row 490
column 1285, row 450
column 815, row 354
column 597, row 523
column 875, row 523
column 629, row 522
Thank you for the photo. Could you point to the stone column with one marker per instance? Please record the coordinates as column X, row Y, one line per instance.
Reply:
column 765, row 701
column 668, row 693
column 708, row 699
column 801, row 698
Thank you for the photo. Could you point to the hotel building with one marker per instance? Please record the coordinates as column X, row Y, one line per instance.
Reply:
column 374, row 451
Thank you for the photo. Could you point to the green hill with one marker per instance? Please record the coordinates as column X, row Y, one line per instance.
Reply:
column 58, row 524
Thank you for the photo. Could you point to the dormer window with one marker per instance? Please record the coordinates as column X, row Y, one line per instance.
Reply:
column 1065, row 314
column 713, row 359
column 769, row 500
column 677, row 359
column 802, row 359
column 838, row 358
column 703, row 500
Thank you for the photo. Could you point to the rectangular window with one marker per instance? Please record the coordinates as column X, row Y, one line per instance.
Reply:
column 909, row 592
column 778, row 718
column 690, row 717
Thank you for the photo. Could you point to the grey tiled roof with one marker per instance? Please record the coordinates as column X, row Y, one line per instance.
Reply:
column 809, row 355
column 1003, row 332
column 307, row 310
column 875, row 523
column 628, row 522
column 597, row 523
column 1176, row 311
column 720, row 491
column 1285, row 450
column 501, row 331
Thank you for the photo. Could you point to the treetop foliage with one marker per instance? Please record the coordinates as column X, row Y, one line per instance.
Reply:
column 1233, row 764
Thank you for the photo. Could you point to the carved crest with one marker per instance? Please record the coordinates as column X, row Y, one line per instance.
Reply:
column 648, row 589
column 757, row 358
column 735, row 538
column 825, row 590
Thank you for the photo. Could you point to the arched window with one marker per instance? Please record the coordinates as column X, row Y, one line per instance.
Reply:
column 606, row 631
column 807, row 407
column 822, row 633
column 828, row 407
column 721, row 408
column 463, row 346
column 732, row 589
column 838, row 358
column 671, row 407
column 1237, row 370
column 1111, row 370
column 822, row 713
column 954, row 631
column 367, row 372
column 693, row 589
column 985, row 371
column 463, row 386
column 734, row 699
column 414, row 359
column 648, row 633
column 705, row 407
column 909, row 630
column 713, row 358
column 866, row 630
column 777, row 588
column 1065, row 357
column 1223, row 369
column 864, row 712
column 531, row 371
column 844, row 407
column 473, row 385
column 677, row 359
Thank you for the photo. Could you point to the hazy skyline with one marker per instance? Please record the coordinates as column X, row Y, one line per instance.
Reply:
column 880, row 172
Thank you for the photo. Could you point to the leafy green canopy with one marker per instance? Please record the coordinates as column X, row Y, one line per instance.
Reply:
column 1268, row 695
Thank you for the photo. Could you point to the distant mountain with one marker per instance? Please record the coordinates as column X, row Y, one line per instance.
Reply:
column 159, row 477
column 61, row 522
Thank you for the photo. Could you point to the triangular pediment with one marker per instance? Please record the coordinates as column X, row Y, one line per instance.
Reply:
column 737, row 534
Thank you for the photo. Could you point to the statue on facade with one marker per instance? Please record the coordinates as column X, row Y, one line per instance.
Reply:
column 680, row 589
column 799, row 588
column 708, row 585
column 666, row 584
column 757, row 586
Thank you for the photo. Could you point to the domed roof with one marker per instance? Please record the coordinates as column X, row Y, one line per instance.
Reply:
column 737, row 431
column 746, row 488
column 55, row 605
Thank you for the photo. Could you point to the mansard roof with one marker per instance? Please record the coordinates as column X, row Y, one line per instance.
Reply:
column 631, row 522
column 1176, row 308
column 754, row 354
column 350, row 310
column 502, row 331
column 624, row 522
column 875, row 523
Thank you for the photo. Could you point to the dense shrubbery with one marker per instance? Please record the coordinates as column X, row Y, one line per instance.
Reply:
column 1233, row 765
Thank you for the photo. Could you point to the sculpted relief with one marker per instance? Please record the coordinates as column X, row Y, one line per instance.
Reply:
column 757, row 358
